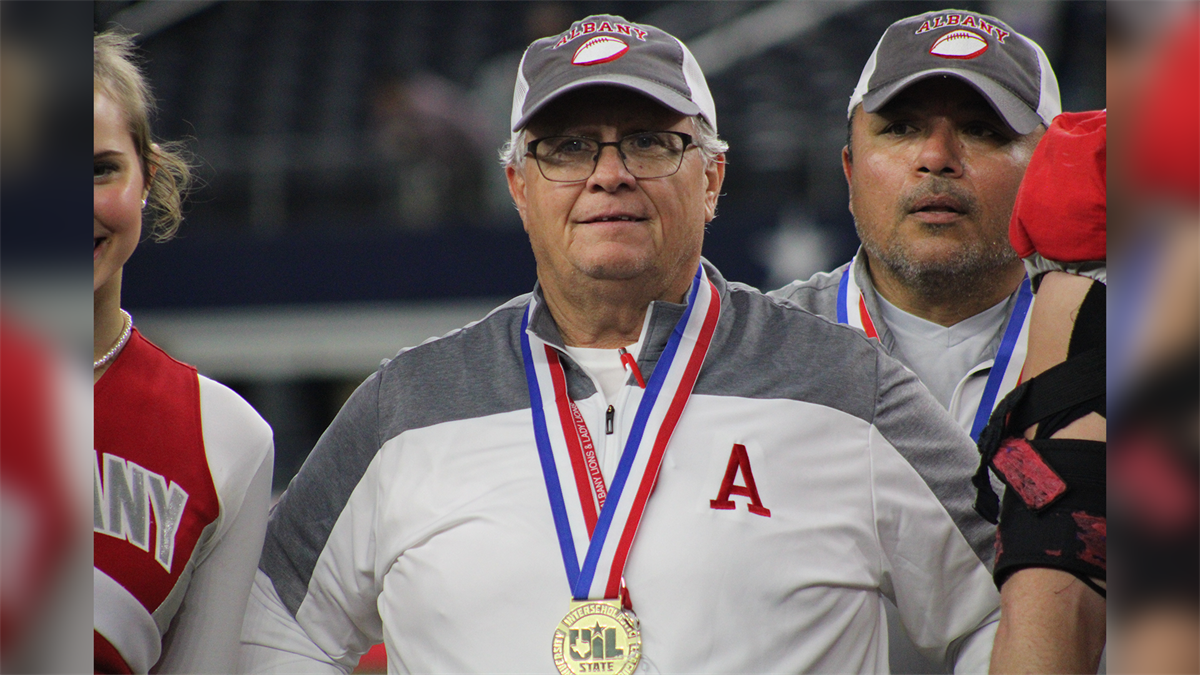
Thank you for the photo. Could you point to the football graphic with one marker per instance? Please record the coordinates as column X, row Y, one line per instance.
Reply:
column 958, row 44
column 599, row 50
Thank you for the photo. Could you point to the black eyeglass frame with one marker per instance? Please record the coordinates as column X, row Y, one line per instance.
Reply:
column 531, row 151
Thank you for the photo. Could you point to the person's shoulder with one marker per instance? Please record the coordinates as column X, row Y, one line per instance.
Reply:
column 800, row 323
column 494, row 331
column 470, row 372
column 817, row 294
column 238, row 444
column 227, row 419
column 817, row 283
column 149, row 351
column 768, row 347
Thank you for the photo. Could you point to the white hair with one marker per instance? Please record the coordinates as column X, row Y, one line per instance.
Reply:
column 704, row 136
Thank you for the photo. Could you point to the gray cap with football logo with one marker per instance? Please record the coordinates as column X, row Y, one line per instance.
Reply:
column 1008, row 69
column 608, row 50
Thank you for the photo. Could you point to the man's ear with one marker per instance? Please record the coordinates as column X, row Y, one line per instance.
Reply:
column 847, row 153
column 516, row 188
column 848, row 170
column 715, row 175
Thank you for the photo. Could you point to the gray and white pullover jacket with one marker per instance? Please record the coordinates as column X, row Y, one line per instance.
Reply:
column 421, row 517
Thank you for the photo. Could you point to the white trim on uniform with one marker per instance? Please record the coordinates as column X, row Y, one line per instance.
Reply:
column 124, row 622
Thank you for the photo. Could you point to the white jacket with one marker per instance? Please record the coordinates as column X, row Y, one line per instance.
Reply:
column 421, row 518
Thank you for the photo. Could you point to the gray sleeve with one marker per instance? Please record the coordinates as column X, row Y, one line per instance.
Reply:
column 921, row 430
column 938, row 551
column 301, row 522
column 472, row 372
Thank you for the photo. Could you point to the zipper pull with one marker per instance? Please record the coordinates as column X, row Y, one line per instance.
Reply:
column 608, row 420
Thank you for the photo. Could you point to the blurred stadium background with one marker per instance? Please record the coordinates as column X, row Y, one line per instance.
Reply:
column 351, row 208
column 352, row 203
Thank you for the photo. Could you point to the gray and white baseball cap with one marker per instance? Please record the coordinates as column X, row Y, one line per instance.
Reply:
column 1008, row 69
column 608, row 50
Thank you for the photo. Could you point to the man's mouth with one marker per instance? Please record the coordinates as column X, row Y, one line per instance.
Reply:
column 938, row 205
column 612, row 218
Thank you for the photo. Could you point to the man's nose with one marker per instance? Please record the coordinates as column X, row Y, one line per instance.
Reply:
column 940, row 152
column 610, row 173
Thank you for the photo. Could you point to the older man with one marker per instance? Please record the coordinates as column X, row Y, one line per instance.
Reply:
column 475, row 503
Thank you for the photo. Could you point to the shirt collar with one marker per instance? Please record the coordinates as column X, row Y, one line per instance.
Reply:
column 663, row 317
column 862, row 275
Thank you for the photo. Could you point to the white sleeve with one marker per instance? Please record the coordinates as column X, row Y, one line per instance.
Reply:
column 943, row 591
column 973, row 654
column 273, row 642
column 936, row 549
column 204, row 635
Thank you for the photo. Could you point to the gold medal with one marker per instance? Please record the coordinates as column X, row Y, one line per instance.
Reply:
column 597, row 636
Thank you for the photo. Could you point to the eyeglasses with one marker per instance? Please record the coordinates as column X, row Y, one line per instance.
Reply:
column 647, row 154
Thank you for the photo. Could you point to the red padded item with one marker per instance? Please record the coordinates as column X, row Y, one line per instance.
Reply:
column 1061, row 207
column 1028, row 474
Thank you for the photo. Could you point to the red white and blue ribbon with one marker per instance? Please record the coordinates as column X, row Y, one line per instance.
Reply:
column 1010, row 357
column 596, row 527
column 851, row 306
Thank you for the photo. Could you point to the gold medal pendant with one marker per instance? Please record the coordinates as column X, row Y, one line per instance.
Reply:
column 597, row 636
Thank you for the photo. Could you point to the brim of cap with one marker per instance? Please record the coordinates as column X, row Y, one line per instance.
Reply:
column 1013, row 110
column 664, row 95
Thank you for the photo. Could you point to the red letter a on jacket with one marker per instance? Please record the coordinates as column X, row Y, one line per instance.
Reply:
column 738, row 459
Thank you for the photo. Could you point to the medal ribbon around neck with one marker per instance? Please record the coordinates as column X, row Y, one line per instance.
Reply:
column 1010, row 357
column 851, row 306
column 598, row 528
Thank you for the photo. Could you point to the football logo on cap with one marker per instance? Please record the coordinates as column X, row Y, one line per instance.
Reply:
column 959, row 44
column 599, row 50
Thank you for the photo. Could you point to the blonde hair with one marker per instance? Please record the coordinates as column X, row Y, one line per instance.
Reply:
column 166, row 167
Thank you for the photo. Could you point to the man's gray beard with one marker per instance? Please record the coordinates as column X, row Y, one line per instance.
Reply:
column 970, row 274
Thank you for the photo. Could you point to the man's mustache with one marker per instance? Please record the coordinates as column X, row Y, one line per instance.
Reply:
column 939, row 193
